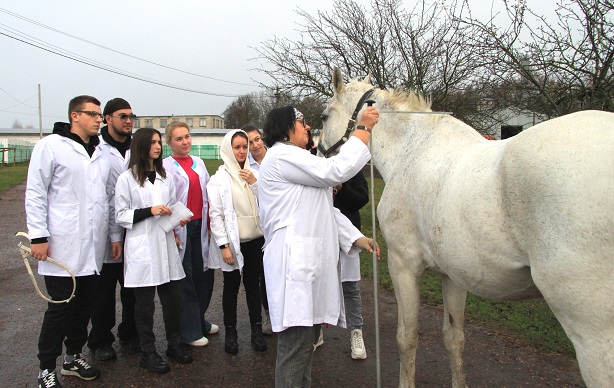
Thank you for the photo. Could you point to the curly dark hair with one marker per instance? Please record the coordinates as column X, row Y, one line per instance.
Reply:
column 277, row 124
column 139, row 155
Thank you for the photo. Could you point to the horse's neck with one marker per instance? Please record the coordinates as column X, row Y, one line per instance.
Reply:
column 402, row 141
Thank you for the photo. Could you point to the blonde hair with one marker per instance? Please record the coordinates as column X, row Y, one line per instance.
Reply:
column 168, row 132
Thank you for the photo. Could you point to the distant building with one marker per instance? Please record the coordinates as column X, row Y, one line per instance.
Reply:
column 194, row 121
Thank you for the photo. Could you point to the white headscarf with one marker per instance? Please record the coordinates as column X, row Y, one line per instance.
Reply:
column 243, row 199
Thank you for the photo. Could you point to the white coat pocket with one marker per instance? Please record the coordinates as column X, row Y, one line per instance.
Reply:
column 305, row 258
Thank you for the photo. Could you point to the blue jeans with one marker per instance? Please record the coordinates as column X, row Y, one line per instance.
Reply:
column 353, row 305
column 295, row 356
column 196, row 287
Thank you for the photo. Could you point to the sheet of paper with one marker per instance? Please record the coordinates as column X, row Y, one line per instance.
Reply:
column 170, row 222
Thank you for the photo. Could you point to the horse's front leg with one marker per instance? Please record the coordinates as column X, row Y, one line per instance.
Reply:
column 406, row 287
column 454, row 299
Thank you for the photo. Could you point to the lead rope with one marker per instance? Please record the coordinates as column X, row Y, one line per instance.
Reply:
column 25, row 252
column 378, row 368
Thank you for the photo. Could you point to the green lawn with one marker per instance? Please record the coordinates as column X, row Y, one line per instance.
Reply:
column 532, row 320
column 12, row 175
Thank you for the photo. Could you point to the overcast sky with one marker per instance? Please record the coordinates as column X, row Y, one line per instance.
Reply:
column 209, row 38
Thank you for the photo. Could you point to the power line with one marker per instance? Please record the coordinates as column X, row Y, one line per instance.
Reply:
column 18, row 102
column 110, row 69
column 116, row 51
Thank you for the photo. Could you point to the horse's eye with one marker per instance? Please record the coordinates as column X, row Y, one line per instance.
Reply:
column 324, row 117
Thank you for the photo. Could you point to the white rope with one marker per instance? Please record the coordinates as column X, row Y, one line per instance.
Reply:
column 25, row 252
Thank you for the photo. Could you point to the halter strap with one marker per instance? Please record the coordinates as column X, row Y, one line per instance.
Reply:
column 350, row 128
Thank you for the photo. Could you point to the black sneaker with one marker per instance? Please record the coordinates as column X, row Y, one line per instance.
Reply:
column 179, row 354
column 105, row 353
column 231, row 342
column 154, row 363
column 80, row 368
column 258, row 342
column 49, row 379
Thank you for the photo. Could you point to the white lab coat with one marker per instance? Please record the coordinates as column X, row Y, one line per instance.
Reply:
column 301, row 253
column 224, row 224
column 150, row 254
column 349, row 255
column 182, row 184
column 117, row 164
column 67, row 201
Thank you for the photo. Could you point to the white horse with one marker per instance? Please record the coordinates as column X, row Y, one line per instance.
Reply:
column 520, row 218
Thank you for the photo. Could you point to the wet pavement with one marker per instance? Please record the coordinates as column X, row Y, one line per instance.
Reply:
column 492, row 358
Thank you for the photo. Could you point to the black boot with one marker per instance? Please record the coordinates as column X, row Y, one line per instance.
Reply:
column 154, row 363
column 258, row 342
column 179, row 354
column 231, row 343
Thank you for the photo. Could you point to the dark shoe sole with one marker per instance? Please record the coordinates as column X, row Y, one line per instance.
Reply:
column 259, row 348
column 143, row 364
column 231, row 350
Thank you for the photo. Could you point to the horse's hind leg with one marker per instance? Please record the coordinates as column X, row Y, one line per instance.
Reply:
column 453, row 323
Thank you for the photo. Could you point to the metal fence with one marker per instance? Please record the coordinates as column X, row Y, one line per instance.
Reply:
column 15, row 153
column 203, row 151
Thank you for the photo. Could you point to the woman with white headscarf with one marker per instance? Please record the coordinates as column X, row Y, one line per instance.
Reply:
column 237, row 239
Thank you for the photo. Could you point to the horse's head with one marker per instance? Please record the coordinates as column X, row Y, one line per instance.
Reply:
column 340, row 116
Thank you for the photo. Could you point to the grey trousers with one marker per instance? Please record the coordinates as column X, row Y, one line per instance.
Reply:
column 353, row 305
column 294, row 356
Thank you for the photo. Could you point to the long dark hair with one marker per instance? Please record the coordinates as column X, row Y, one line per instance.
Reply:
column 278, row 122
column 139, row 155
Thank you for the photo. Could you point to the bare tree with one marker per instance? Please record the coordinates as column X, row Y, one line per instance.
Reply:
column 421, row 49
column 17, row 124
column 253, row 108
column 551, row 67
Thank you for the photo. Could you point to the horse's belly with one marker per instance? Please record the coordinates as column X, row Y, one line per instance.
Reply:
column 494, row 281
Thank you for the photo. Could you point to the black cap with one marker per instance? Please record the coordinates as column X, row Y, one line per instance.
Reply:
column 114, row 105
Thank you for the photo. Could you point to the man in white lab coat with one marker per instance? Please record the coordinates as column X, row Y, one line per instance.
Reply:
column 302, row 248
column 67, row 205
column 115, row 148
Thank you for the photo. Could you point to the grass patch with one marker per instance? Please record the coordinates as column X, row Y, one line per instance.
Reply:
column 531, row 320
column 13, row 175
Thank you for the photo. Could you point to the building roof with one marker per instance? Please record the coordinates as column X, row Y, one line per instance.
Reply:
column 23, row 131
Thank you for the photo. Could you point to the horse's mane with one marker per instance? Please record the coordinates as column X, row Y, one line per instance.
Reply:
column 406, row 100
column 399, row 99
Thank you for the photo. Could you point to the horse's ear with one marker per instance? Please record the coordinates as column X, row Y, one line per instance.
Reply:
column 337, row 80
column 367, row 79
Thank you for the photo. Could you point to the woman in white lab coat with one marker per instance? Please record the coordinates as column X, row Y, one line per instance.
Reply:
column 301, row 254
column 191, row 178
column 143, row 194
column 236, row 243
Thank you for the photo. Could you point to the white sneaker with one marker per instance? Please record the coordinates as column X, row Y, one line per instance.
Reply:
column 199, row 342
column 266, row 323
column 358, row 346
column 214, row 328
column 320, row 340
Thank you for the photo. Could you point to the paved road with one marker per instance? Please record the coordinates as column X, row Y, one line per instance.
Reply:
column 491, row 359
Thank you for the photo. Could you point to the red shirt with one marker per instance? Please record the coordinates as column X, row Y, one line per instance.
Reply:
column 195, row 192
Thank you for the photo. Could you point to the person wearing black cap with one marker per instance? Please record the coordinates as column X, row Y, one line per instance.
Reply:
column 115, row 147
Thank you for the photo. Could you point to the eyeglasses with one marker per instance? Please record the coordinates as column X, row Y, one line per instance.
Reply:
column 90, row 113
column 125, row 117
column 302, row 121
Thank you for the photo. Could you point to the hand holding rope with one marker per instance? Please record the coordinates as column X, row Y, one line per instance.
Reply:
column 25, row 252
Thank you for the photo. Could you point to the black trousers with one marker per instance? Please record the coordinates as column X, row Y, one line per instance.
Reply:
column 103, row 313
column 65, row 322
column 170, row 299
column 252, row 268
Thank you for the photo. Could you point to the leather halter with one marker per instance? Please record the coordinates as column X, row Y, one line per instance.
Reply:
column 350, row 128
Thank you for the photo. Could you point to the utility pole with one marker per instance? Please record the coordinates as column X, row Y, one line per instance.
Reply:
column 40, row 114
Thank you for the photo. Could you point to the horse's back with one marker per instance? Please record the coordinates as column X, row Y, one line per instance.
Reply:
column 559, row 177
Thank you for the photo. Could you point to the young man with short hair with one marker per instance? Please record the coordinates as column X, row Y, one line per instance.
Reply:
column 67, row 215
